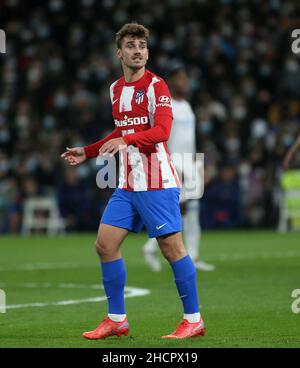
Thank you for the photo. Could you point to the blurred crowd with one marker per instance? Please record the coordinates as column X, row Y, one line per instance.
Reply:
column 54, row 80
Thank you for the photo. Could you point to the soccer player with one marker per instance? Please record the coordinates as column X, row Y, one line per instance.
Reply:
column 182, row 140
column 148, row 191
column 290, row 153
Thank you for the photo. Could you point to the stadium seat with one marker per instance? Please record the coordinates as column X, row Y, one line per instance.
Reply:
column 42, row 214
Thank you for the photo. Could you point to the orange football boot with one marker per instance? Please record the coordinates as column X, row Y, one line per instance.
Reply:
column 186, row 329
column 108, row 328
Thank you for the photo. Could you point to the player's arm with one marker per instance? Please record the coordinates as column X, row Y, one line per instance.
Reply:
column 290, row 153
column 162, row 116
column 76, row 155
column 93, row 150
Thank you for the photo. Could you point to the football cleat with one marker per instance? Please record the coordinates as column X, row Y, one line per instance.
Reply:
column 186, row 329
column 108, row 328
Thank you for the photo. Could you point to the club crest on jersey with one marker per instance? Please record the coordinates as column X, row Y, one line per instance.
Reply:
column 139, row 97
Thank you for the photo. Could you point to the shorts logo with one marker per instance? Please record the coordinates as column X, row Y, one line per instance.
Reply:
column 159, row 227
column 139, row 97
column 164, row 99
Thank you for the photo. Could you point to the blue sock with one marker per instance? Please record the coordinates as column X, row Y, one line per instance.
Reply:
column 185, row 279
column 114, row 278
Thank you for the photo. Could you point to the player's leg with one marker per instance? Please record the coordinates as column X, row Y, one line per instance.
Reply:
column 119, row 217
column 161, row 214
column 113, row 269
column 150, row 248
column 184, row 272
column 109, row 240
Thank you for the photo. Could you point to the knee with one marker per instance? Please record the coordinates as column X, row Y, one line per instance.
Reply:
column 172, row 251
column 102, row 247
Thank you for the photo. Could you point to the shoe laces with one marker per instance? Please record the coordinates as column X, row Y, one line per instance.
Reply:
column 182, row 325
column 106, row 319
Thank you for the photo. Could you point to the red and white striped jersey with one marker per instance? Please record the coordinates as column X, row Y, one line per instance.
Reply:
column 142, row 114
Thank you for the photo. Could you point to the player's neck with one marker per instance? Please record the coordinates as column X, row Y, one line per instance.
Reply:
column 131, row 75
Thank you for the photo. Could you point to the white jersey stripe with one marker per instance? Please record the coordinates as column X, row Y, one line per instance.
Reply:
column 126, row 98
column 175, row 174
column 138, row 174
column 151, row 101
column 121, row 169
column 168, row 179
column 111, row 91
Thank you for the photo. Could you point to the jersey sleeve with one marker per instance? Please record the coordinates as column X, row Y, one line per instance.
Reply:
column 92, row 150
column 161, row 111
column 161, row 99
column 159, row 133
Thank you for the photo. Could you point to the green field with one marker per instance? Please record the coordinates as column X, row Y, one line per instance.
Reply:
column 246, row 302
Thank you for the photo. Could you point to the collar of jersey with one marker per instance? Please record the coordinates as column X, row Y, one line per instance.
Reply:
column 137, row 81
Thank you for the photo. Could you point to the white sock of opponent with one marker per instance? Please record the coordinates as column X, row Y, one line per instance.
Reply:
column 151, row 246
column 192, row 229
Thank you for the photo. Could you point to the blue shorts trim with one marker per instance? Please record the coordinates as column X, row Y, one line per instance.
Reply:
column 157, row 210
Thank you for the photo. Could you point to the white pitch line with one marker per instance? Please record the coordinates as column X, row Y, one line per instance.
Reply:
column 219, row 257
column 47, row 285
column 42, row 266
column 263, row 255
column 130, row 292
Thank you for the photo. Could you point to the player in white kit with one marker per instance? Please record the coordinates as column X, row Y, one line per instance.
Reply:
column 182, row 140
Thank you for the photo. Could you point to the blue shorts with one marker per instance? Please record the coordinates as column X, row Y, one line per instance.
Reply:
column 157, row 210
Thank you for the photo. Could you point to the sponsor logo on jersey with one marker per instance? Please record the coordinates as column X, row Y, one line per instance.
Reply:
column 139, row 97
column 139, row 120
column 164, row 102
column 164, row 99
column 163, row 105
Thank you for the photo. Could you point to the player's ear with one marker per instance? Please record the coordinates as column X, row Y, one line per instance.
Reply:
column 119, row 54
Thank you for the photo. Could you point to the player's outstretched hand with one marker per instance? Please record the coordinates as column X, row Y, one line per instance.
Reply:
column 112, row 146
column 74, row 156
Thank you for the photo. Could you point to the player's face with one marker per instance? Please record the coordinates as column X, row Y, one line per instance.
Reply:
column 133, row 52
column 179, row 83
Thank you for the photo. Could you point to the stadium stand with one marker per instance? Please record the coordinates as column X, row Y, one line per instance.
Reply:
column 54, row 81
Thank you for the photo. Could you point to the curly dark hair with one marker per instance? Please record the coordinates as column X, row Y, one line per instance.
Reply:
column 131, row 29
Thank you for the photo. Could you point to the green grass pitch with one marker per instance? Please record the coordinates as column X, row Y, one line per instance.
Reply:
column 246, row 302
